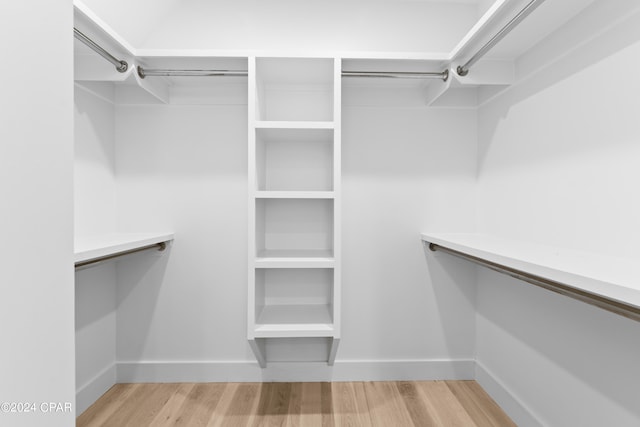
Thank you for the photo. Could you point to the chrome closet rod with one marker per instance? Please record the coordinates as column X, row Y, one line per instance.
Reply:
column 444, row 75
column 120, row 65
column 161, row 246
column 463, row 70
column 614, row 306
column 145, row 72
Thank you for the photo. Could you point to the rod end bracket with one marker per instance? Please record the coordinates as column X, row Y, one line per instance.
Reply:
column 123, row 67
column 462, row 71
column 141, row 73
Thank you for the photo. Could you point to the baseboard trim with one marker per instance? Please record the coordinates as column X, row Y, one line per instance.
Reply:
column 96, row 387
column 505, row 398
column 342, row 370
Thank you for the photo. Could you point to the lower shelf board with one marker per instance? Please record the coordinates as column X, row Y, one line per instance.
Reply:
column 303, row 320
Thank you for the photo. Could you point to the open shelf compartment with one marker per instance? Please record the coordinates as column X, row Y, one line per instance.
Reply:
column 294, row 89
column 294, row 228
column 294, row 160
column 294, row 302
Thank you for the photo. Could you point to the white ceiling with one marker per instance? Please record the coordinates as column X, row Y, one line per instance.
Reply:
column 235, row 24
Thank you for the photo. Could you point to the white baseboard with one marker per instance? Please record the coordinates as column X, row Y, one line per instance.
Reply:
column 342, row 370
column 507, row 400
column 91, row 391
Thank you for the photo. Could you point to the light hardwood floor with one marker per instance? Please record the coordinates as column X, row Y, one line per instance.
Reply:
column 385, row 404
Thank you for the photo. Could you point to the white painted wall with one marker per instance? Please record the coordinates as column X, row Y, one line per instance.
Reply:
column 558, row 163
column 36, row 183
column 94, row 159
column 183, row 167
column 95, row 213
column 406, row 168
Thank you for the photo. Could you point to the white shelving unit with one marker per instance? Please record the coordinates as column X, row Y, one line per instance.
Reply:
column 294, row 208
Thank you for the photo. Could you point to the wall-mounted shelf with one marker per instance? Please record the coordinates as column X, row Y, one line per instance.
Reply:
column 289, row 124
column 295, row 195
column 295, row 259
column 89, row 250
column 606, row 282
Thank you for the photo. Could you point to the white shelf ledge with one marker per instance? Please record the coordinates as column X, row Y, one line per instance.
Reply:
column 303, row 320
column 295, row 259
column 95, row 247
column 276, row 124
column 608, row 282
column 295, row 195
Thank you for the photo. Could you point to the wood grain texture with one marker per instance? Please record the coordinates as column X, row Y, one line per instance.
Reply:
column 341, row 404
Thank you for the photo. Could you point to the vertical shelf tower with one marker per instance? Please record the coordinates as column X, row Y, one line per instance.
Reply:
column 294, row 209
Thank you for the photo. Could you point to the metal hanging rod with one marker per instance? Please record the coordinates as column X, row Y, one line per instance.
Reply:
column 159, row 246
column 444, row 75
column 614, row 306
column 463, row 70
column 144, row 72
column 120, row 65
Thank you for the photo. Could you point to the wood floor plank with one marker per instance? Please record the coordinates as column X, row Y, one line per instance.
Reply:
column 237, row 407
column 417, row 406
column 386, row 407
column 105, row 407
column 484, row 411
column 326, row 405
column 132, row 405
column 171, row 412
column 444, row 408
column 274, row 404
column 200, row 404
column 149, row 407
column 350, row 406
column 295, row 406
column 313, row 412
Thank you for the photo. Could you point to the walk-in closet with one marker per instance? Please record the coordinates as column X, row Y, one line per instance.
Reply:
column 304, row 212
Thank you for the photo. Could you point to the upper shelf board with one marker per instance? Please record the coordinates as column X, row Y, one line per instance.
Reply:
column 612, row 278
column 98, row 246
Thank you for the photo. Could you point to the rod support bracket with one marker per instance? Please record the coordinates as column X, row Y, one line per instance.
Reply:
column 123, row 67
column 462, row 71
column 141, row 72
column 445, row 75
